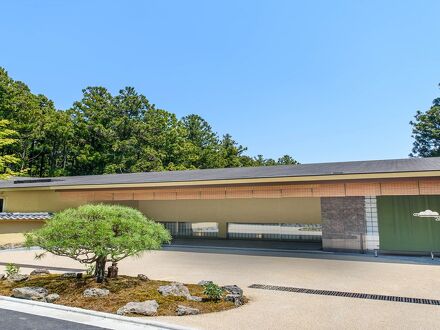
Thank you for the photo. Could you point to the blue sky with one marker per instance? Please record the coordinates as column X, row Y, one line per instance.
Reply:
column 320, row 80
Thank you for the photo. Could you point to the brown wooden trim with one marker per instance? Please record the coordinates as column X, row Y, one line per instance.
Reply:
column 411, row 186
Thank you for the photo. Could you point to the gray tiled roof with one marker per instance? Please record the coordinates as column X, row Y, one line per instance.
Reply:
column 25, row 216
column 356, row 167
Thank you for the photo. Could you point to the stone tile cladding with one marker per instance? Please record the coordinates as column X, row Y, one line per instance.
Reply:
column 343, row 223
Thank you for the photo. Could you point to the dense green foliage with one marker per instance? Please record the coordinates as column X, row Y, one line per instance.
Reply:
column 99, row 233
column 12, row 269
column 7, row 139
column 105, row 133
column 213, row 291
column 426, row 131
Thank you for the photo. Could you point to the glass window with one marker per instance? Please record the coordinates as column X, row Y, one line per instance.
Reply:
column 275, row 231
column 192, row 229
column 204, row 228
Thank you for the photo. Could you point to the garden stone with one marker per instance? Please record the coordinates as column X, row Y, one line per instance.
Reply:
column 194, row 298
column 69, row 275
column 2, row 277
column 148, row 308
column 184, row 310
column 17, row 278
column 30, row 293
column 235, row 298
column 204, row 282
column 143, row 277
column 96, row 292
column 11, row 246
column 233, row 289
column 40, row 271
column 174, row 289
column 112, row 271
column 52, row 297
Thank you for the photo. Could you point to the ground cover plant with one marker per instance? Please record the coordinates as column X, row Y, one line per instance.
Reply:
column 123, row 289
column 12, row 269
column 213, row 291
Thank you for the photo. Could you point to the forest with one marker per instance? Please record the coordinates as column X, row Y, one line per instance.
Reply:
column 104, row 133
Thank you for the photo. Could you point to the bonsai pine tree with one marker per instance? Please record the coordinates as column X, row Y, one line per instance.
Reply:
column 97, row 234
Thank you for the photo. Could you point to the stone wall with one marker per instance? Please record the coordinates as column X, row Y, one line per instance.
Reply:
column 343, row 223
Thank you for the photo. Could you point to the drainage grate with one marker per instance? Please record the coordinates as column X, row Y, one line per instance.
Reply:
column 348, row 294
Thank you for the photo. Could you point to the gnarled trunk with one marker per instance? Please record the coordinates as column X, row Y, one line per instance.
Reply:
column 100, row 269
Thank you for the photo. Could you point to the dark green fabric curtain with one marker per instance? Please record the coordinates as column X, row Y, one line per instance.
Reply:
column 399, row 230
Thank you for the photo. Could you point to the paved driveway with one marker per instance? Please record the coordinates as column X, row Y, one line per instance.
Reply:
column 11, row 320
column 286, row 310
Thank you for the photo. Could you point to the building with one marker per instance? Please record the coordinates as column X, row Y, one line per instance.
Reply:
column 349, row 206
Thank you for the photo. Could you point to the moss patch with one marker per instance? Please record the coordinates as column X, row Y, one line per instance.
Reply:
column 122, row 290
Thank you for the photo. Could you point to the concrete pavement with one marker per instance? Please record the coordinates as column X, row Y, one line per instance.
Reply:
column 44, row 313
column 284, row 310
column 11, row 320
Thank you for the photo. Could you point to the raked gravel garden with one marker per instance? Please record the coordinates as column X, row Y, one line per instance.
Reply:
column 124, row 295
column 99, row 235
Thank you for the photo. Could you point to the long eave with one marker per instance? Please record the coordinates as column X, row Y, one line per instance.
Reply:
column 342, row 171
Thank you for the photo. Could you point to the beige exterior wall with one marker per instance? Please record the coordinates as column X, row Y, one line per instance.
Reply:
column 288, row 209
column 255, row 210
column 36, row 201
column 45, row 201
column 12, row 231
column 281, row 210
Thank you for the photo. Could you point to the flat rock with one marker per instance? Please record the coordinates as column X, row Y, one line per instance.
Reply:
column 184, row 310
column 194, row 298
column 148, row 308
column 233, row 289
column 17, row 278
column 204, row 282
column 95, row 292
column 30, row 293
column 143, row 277
column 174, row 289
column 40, row 271
column 50, row 298
column 69, row 275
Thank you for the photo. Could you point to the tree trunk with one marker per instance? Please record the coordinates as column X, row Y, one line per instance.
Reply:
column 100, row 269
column 112, row 271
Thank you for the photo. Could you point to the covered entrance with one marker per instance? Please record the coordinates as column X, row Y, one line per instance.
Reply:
column 253, row 222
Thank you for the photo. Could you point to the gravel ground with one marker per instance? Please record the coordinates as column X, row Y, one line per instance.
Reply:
column 284, row 310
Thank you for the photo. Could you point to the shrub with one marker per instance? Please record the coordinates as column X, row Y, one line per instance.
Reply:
column 90, row 269
column 97, row 234
column 213, row 291
column 12, row 269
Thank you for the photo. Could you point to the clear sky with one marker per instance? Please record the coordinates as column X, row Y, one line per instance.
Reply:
column 320, row 80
